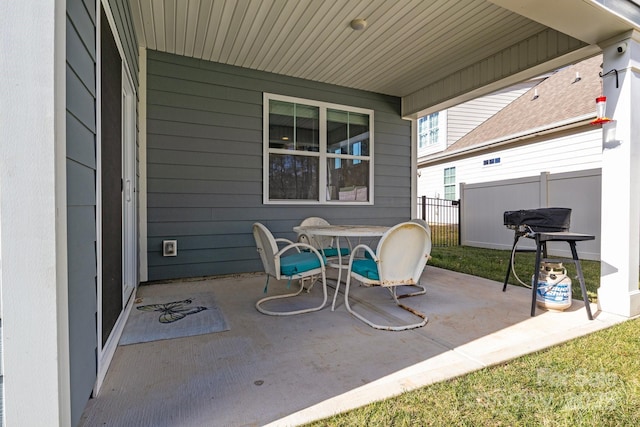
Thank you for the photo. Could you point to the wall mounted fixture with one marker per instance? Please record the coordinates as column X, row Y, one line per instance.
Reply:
column 358, row 24
column 577, row 79
column 169, row 248
column 601, row 101
column 609, row 72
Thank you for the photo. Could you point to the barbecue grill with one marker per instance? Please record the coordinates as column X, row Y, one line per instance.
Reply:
column 545, row 225
column 535, row 220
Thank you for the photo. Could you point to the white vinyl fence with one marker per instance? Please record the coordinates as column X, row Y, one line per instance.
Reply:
column 483, row 206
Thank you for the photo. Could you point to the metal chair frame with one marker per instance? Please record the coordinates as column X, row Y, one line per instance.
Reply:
column 401, row 256
column 271, row 255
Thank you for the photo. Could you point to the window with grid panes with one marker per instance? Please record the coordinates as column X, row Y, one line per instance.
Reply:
column 450, row 183
column 317, row 152
column 428, row 130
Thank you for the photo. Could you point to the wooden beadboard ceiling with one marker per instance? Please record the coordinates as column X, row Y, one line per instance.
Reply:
column 406, row 45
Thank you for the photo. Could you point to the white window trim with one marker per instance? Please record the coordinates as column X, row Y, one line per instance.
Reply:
column 441, row 144
column 322, row 151
column 429, row 129
column 454, row 185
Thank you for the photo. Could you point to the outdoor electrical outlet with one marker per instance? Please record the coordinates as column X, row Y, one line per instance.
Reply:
column 169, row 248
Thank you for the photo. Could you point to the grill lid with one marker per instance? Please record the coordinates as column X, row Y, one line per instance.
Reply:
column 539, row 220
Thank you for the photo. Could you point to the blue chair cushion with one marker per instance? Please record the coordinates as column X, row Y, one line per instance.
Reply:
column 331, row 252
column 299, row 263
column 366, row 268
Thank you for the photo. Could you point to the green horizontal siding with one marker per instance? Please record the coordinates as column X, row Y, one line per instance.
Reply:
column 81, row 166
column 81, row 200
column 204, row 163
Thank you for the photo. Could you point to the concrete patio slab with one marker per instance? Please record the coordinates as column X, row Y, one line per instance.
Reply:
column 285, row 371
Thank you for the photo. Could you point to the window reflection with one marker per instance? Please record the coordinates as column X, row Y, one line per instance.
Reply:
column 347, row 132
column 349, row 181
column 299, row 156
column 294, row 126
column 293, row 177
column 347, row 136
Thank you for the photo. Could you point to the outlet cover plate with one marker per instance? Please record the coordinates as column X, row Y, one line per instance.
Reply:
column 169, row 248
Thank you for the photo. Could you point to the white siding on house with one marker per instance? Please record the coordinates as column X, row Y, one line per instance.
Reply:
column 565, row 153
column 465, row 117
column 431, row 181
column 457, row 121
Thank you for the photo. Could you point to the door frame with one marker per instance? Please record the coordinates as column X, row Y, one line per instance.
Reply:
column 130, row 189
column 105, row 353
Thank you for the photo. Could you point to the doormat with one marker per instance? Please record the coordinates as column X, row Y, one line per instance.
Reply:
column 165, row 317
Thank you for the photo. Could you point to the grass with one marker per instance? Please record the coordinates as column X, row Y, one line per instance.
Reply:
column 492, row 264
column 444, row 234
column 592, row 380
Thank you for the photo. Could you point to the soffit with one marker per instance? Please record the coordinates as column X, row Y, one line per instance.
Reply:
column 407, row 45
column 592, row 21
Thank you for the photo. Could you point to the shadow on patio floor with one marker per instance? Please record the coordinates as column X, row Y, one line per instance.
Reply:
column 290, row 370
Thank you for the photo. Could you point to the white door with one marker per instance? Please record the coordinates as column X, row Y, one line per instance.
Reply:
column 129, row 222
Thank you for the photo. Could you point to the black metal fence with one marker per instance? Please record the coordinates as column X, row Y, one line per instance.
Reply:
column 443, row 217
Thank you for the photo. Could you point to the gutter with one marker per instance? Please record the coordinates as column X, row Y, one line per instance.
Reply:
column 571, row 123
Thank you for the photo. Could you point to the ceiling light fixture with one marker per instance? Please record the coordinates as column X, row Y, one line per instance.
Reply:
column 358, row 24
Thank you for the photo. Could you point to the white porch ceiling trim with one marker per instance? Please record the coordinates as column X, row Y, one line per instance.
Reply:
column 433, row 54
column 407, row 44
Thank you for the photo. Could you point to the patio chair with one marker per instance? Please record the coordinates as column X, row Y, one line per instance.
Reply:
column 324, row 244
column 422, row 289
column 398, row 260
column 424, row 224
column 293, row 261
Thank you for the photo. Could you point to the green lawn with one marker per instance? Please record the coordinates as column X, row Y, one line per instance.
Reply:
column 444, row 235
column 590, row 381
column 492, row 264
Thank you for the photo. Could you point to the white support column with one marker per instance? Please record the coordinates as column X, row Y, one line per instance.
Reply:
column 620, row 232
column 414, row 169
column 33, row 215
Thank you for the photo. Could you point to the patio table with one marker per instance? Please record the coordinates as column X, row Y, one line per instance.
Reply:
column 338, row 231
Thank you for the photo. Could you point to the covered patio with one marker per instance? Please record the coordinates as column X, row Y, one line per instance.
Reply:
column 283, row 371
column 133, row 123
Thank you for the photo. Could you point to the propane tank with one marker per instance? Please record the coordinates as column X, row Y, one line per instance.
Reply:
column 554, row 286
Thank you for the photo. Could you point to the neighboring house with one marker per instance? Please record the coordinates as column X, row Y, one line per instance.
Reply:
column 127, row 123
column 543, row 129
column 439, row 130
